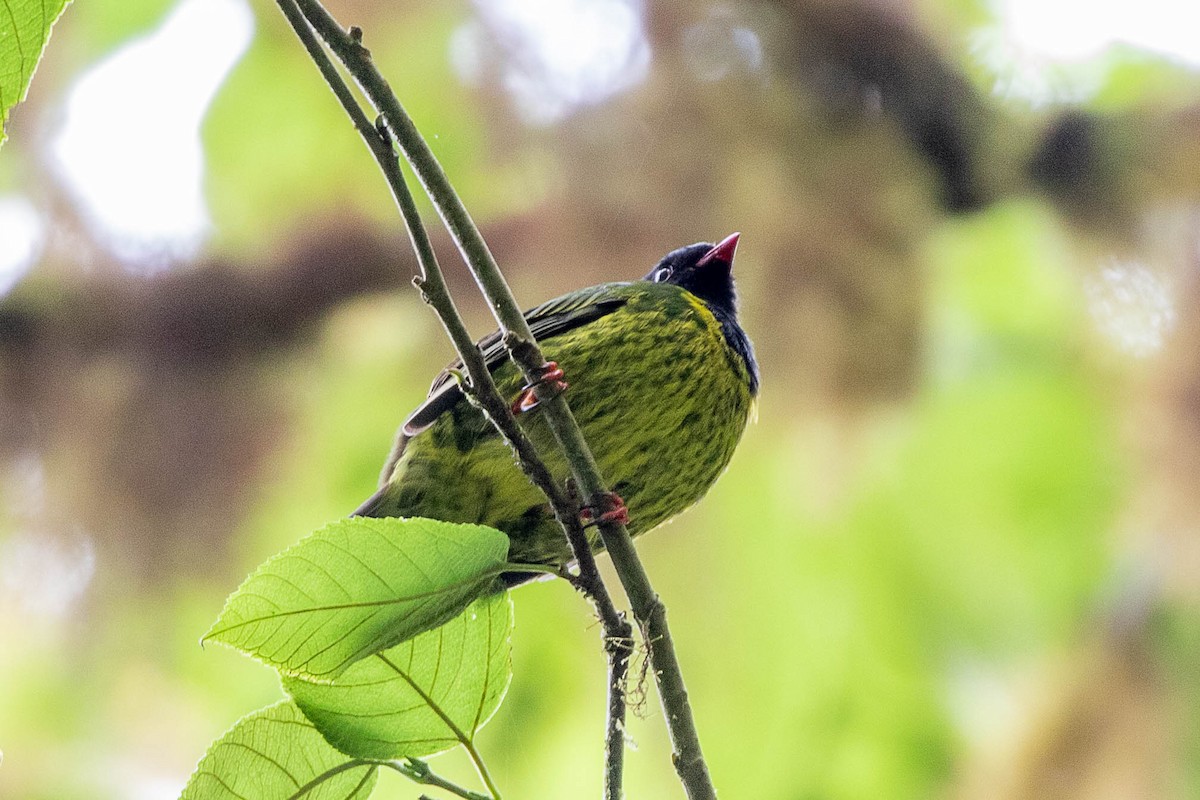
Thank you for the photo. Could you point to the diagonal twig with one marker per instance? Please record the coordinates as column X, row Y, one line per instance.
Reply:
column 648, row 609
column 482, row 391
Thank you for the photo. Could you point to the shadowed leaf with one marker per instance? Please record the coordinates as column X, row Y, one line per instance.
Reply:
column 421, row 697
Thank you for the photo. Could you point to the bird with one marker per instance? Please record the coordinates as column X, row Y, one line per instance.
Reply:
column 660, row 376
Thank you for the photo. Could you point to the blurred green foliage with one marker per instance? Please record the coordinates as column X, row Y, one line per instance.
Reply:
column 916, row 575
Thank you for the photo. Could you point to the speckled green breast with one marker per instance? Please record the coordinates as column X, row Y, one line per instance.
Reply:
column 661, row 399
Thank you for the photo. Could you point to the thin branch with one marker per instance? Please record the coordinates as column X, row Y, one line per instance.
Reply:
column 619, row 648
column 481, row 767
column 483, row 392
column 647, row 608
column 522, row 347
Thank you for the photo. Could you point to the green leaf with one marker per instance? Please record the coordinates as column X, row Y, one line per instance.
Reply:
column 276, row 754
column 419, row 698
column 356, row 587
column 24, row 30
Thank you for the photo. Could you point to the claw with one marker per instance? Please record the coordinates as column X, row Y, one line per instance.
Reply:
column 551, row 378
column 616, row 512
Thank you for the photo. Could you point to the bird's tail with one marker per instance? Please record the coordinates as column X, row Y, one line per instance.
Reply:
column 379, row 504
column 386, row 503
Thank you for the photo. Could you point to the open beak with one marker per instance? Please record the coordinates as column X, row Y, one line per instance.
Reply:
column 722, row 251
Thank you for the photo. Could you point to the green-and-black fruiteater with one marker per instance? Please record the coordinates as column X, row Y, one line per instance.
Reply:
column 662, row 381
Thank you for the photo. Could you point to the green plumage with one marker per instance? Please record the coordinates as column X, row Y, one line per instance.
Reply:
column 660, row 393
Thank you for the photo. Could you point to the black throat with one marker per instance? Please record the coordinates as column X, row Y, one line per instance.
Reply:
column 711, row 280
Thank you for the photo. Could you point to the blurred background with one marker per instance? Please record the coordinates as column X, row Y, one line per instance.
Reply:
column 958, row 556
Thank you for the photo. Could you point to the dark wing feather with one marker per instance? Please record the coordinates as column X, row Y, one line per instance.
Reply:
column 550, row 319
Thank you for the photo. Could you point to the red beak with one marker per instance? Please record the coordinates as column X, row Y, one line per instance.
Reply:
column 723, row 251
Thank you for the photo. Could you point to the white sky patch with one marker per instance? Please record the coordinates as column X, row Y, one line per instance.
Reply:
column 23, row 490
column 45, row 575
column 561, row 56
column 22, row 236
column 42, row 574
column 1037, row 42
column 142, row 780
column 718, row 47
column 1132, row 306
column 129, row 148
column 1065, row 30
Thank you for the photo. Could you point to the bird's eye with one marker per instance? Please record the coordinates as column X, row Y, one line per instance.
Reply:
column 661, row 274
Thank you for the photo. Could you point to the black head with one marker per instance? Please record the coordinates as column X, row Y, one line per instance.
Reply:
column 705, row 270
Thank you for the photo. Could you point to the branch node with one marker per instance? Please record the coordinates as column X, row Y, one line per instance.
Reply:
column 419, row 282
column 419, row 768
column 524, row 351
column 356, row 37
column 652, row 615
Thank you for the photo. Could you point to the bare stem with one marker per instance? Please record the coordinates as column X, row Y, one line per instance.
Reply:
column 481, row 768
column 647, row 608
column 419, row 772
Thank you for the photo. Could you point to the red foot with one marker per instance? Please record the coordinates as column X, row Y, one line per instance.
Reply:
column 551, row 378
column 617, row 512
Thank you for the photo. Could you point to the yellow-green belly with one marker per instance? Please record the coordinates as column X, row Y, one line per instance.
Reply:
column 661, row 399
